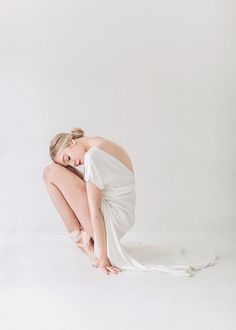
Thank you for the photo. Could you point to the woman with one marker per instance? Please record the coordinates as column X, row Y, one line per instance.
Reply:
column 79, row 202
column 98, row 208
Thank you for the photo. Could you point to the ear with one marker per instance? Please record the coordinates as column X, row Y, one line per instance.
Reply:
column 73, row 141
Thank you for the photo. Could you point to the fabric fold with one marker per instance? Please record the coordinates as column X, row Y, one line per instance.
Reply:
column 117, row 184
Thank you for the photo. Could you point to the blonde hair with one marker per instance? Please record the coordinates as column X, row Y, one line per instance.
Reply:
column 63, row 140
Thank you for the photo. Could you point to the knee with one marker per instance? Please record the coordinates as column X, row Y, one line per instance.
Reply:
column 50, row 170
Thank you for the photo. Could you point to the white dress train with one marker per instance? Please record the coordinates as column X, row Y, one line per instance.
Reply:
column 117, row 183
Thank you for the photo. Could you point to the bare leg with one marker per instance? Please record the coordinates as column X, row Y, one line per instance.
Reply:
column 68, row 193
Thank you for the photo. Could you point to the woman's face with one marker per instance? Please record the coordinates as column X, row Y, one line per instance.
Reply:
column 72, row 155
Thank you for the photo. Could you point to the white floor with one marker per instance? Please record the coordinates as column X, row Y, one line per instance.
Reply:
column 47, row 283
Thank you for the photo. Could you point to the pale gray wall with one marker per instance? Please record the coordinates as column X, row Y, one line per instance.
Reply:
column 158, row 77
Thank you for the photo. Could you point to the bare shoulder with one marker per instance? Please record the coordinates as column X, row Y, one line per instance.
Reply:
column 114, row 149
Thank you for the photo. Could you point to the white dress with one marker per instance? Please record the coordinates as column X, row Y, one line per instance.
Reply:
column 117, row 183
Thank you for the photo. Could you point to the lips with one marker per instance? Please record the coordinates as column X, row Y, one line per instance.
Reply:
column 78, row 163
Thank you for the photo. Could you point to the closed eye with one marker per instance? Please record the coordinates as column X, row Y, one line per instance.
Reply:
column 67, row 159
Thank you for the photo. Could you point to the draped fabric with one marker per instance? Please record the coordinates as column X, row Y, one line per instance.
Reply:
column 117, row 183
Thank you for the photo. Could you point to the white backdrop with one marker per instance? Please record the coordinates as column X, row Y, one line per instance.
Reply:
column 158, row 77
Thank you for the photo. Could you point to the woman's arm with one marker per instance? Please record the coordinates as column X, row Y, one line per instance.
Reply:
column 94, row 201
column 99, row 234
column 100, row 239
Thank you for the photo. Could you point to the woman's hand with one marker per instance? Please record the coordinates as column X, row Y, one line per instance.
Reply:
column 105, row 265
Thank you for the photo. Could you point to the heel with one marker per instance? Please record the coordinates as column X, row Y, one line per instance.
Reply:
column 83, row 240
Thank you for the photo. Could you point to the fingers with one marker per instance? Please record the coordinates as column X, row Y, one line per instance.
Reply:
column 114, row 269
column 107, row 269
column 118, row 269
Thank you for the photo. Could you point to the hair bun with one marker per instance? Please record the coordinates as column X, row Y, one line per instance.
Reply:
column 77, row 132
